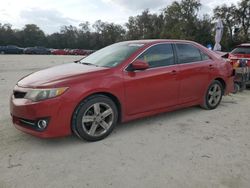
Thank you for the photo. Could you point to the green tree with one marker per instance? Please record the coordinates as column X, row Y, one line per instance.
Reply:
column 32, row 35
column 180, row 19
column 243, row 18
column 107, row 33
column 144, row 26
column 7, row 35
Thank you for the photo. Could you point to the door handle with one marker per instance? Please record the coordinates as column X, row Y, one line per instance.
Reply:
column 211, row 67
column 173, row 72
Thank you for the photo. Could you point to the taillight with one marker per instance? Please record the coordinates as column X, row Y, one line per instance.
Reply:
column 236, row 64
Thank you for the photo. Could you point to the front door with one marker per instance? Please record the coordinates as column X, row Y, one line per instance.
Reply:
column 156, row 87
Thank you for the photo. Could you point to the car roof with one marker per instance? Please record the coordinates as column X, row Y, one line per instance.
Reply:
column 244, row 45
column 155, row 41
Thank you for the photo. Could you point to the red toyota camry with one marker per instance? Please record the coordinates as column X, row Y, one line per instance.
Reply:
column 121, row 82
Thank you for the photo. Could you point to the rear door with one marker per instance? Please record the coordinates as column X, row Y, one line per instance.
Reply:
column 194, row 72
column 156, row 87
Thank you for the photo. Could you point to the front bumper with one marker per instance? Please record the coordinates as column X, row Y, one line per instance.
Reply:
column 26, row 113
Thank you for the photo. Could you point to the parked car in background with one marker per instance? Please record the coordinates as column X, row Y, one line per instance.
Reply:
column 71, row 52
column 11, row 49
column 59, row 52
column 36, row 50
column 240, row 52
column 80, row 52
column 2, row 48
column 122, row 82
column 88, row 52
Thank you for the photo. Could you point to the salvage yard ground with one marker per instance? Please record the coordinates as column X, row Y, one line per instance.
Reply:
column 187, row 148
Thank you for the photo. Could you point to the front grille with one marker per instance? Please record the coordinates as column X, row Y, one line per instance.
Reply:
column 19, row 94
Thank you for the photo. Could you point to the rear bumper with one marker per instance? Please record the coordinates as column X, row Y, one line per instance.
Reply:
column 229, row 85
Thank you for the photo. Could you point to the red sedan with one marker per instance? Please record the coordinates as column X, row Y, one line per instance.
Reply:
column 240, row 52
column 59, row 52
column 121, row 82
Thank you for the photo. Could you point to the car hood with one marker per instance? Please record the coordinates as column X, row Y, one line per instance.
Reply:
column 57, row 74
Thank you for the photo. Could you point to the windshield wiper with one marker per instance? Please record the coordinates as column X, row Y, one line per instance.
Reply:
column 85, row 63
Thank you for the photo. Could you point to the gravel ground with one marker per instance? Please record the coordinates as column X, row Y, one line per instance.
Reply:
column 187, row 148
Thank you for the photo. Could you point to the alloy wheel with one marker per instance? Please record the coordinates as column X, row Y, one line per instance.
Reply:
column 214, row 94
column 97, row 119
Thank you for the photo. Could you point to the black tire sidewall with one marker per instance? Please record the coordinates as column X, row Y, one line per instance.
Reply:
column 236, row 88
column 207, row 105
column 82, row 107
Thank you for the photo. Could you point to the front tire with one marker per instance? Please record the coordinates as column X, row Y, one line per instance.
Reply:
column 213, row 95
column 95, row 118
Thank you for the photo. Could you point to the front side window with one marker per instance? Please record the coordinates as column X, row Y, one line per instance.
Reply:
column 158, row 55
column 187, row 53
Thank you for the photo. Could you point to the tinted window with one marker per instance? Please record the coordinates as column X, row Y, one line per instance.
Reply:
column 241, row 50
column 188, row 53
column 158, row 55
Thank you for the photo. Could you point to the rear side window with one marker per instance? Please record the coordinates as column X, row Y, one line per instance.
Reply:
column 158, row 55
column 187, row 53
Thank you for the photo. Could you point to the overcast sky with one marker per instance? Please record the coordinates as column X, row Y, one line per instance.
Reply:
column 50, row 15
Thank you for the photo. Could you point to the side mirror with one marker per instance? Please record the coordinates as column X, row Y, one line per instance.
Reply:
column 138, row 65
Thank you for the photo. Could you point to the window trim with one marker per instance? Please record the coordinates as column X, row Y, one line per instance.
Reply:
column 152, row 68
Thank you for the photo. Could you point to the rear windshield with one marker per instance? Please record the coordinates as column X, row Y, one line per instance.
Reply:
column 241, row 50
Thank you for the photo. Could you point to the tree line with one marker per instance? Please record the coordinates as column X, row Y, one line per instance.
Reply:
column 179, row 20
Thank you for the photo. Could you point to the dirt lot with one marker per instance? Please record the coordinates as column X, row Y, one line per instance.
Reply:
column 187, row 148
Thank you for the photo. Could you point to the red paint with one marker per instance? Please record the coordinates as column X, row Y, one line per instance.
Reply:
column 140, row 93
column 234, row 57
column 59, row 52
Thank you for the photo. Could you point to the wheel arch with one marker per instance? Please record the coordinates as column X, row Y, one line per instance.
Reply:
column 109, row 95
column 223, row 83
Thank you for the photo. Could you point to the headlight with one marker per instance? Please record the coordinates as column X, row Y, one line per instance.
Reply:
column 42, row 94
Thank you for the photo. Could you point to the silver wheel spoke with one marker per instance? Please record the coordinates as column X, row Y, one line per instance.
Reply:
column 214, row 95
column 97, row 108
column 104, row 125
column 218, row 93
column 211, row 100
column 93, row 128
column 215, row 88
column 106, row 113
column 87, row 119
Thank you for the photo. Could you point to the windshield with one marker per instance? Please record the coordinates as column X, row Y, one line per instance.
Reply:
column 112, row 55
column 241, row 50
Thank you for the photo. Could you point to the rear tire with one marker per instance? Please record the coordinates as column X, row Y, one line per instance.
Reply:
column 95, row 118
column 213, row 95
column 236, row 88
